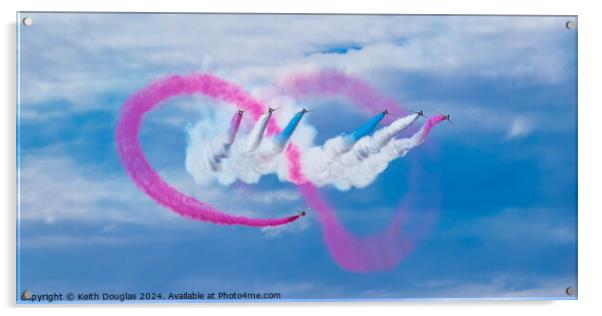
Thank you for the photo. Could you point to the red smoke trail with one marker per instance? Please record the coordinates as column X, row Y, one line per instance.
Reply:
column 141, row 172
column 378, row 252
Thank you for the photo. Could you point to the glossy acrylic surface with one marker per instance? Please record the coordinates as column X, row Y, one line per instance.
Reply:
column 139, row 180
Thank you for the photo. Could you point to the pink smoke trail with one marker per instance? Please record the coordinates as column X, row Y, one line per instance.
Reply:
column 330, row 82
column 378, row 252
column 426, row 128
column 141, row 172
column 357, row 254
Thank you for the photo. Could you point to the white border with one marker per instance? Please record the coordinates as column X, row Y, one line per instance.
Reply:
column 589, row 152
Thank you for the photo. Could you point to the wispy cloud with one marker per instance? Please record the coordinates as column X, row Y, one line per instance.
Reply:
column 500, row 286
column 272, row 196
column 55, row 189
column 520, row 225
column 519, row 128
column 112, row 61
column 68, row 241
column 295, row 227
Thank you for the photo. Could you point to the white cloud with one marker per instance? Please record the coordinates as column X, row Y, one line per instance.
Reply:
column 519, row 128
column 55, row 189
column 274, row 196
column 483, row 117
column 80, row 58
column 500, row 286
column 521, row 225
column 64, row 241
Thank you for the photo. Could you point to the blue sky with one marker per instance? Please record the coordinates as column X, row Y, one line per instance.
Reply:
column 502, row 178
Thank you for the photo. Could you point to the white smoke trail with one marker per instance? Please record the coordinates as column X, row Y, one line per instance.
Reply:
column 344, row 174
column 333, row 162
column 372, row 145
column 256, row 134
column 207, row 153
column 219, row 151
column 247, row 158
column 338, row 162
column 221, row 145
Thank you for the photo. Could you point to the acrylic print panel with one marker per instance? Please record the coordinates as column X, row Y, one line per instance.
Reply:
column 229, row 157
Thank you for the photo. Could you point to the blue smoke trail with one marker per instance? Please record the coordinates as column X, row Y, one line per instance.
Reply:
column 365, row 129
column 287, row 132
